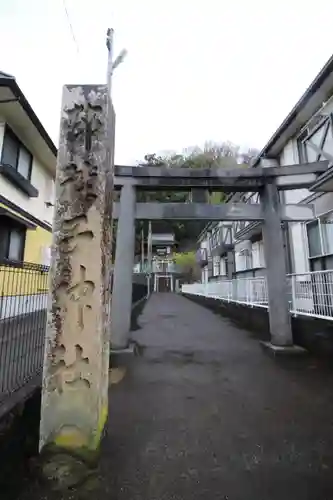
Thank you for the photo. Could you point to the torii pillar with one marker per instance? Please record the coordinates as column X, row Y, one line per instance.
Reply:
column 121, row 308
column 75, row 378
column 276, row 274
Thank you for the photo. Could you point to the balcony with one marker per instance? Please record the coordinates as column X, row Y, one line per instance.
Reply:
column 202, row 257
column 245, row 230
column 221, row 242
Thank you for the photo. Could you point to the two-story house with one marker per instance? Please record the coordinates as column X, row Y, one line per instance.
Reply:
column 27, row 175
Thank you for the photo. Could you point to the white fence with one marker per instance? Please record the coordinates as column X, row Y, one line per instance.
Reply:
column 309, row 294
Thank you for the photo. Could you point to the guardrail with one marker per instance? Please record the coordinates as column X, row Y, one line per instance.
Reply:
column 163, row 267
column 309, row 294
column 23, row 303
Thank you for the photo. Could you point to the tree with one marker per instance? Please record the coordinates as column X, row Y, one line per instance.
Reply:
column 249, row 155
column 188, row 264
column 221, row 155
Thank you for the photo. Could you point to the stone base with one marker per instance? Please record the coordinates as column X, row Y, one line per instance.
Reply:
column 63, row 470
column 120, row 357
column 126, row 350
column 277, row 350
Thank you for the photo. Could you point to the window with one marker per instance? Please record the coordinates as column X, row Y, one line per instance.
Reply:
column 327, row 233
column 24, row 163
column 12, row 240
column 243, row 260
column 320, row 235
column 258, row 254
column 216, row 266
column 314, row 242
column 223, row 267
column 216, row 237
column 316, row 140
column 50, row 198
column 16, row 155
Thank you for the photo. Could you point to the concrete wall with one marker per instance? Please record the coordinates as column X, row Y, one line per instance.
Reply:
column 139, row 291
column 298, row 247
column 251, row 273
column 314, row 334
column 323, row 203
column 18, row 444
column 297, row 233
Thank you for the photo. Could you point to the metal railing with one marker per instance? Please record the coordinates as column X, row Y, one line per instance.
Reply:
column 309, row 294
column 158, row 267
column 249, row 291
column 23, row 303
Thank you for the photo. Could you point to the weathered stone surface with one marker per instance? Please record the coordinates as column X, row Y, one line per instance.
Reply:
column 219, row 179
column 64, row 471
column 224, row 211
column 75, row 378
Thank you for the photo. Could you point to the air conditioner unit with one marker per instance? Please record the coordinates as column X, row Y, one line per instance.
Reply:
column 244, row 245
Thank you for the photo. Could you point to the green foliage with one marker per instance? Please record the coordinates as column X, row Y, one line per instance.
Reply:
column 185, row 259
column 212, row 155
column 224, row 154
column 188, row 264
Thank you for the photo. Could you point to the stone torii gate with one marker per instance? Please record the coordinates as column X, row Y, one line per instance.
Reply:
column 267, row 180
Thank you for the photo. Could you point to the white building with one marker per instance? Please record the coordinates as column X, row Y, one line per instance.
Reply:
column 306, row 135
column 27, row 173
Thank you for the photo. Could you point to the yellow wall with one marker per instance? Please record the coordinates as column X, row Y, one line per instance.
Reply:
column 35, row 241
column 22, row 281
column 26, row 280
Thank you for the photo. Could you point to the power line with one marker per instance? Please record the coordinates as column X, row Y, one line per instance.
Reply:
column 71, row 28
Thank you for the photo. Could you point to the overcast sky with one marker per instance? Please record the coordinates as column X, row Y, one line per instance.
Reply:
column 196, row 70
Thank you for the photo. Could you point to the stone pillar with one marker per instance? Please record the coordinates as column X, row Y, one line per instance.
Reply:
column 279, row 317
column 121, row 307
column 75, row 377
column 199, row 195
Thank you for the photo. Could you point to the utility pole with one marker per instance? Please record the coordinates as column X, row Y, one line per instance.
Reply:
column 109, row 45
column 112, row 65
